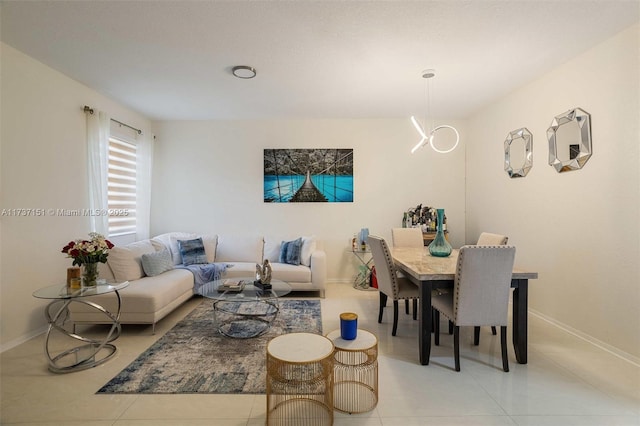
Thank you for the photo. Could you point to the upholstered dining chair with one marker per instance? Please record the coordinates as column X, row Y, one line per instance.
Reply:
column 390, row 283
column 488, row 239
column 480, row 294
column 408, row 237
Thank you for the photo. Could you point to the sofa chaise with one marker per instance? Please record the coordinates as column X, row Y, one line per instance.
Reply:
column 159, row 282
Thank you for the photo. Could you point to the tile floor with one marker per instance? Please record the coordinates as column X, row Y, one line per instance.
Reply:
column 566, row 382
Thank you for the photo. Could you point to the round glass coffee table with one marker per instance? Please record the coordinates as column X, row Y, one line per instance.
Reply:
column 93, row 351
column 247, row 311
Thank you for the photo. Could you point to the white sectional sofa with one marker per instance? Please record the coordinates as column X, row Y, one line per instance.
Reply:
column 148, row 299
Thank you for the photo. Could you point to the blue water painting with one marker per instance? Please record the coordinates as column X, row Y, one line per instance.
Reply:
column 303, row 175
column 281, row 189
column 336, row 189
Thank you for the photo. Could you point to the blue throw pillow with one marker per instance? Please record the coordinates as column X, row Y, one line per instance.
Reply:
column 157, row 262
column 192, row 251
column 290, row 252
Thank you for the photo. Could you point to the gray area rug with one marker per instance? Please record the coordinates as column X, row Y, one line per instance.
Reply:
column 193, row 357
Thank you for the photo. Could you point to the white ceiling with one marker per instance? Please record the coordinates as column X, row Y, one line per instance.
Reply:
column 171, row 60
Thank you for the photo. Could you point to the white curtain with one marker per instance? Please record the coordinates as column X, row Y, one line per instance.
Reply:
column 143, row 191
column 98, row 125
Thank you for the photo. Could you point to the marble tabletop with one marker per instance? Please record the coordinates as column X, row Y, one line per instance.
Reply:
column 418, row 262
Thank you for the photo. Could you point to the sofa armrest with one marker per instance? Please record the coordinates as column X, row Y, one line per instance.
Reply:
column 318, row 269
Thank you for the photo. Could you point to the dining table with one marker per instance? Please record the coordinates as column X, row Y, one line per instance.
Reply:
column 432, row 273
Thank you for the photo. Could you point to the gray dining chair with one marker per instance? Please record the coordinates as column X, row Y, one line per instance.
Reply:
column 480, row 294
column 488, row 239
column 390, row 283
column 408, row 237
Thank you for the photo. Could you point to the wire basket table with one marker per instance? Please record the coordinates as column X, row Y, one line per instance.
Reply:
column 355, row 372
column 300, row 380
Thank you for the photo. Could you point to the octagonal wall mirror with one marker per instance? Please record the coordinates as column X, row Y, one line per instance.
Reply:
column 570, row 140
column 518, row 153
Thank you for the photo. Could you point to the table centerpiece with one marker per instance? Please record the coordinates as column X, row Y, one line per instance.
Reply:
column 87, row 254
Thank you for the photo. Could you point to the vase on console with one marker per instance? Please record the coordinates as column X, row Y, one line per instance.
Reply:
column 440, row 247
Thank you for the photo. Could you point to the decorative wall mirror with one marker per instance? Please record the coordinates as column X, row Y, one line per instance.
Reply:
column 518, row 153
column 570, row 140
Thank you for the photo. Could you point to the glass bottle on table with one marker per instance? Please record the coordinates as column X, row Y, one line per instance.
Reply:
column 440, row 247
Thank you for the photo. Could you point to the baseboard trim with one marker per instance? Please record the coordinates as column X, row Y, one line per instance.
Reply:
column 588, row 338
column 339, row 281
column 20, row 340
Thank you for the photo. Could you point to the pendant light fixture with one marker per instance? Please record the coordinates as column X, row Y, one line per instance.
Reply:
column 429, row 139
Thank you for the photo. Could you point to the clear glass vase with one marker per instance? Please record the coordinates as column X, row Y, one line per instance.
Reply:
column 440, row 247
column 90, row 274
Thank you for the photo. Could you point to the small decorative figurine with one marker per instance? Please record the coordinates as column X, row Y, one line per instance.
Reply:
column 266, row 272
column 263, row 273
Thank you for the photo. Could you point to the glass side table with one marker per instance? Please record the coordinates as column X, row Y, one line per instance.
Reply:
column 93, row 351
column 361, row 281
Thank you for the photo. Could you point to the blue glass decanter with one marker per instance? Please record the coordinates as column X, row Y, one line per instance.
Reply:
column 440, row 247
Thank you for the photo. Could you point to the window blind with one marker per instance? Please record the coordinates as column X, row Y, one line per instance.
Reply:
column 121, row 186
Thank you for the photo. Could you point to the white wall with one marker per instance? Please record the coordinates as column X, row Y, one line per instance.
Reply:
column 579, row 229
column 43, row 166
column 208, row 176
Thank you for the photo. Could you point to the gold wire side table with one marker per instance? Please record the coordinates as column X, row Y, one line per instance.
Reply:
column 300, row 380
column 355, row 372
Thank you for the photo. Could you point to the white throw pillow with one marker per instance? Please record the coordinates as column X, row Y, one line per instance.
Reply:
column 170, row 241
column 272, row 248
column 125, row 261
column 210, row 243
column 308, row 247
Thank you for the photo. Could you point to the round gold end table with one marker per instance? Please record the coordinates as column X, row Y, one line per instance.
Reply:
column 355, row 372
column 300, row 380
